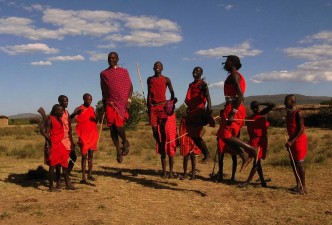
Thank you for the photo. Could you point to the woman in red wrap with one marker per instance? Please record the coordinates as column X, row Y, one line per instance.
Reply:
column 156, row 101
column 197, row 116
column 257, row 130
column 87, row 133
column 297, row 142
column 56, row 157
column 233, row 115
column 117, row 90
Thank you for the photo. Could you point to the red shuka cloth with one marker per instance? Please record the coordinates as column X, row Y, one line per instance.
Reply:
column 115, row 86
column 300, row 147
column 171, row 135
column 195, row 97
column 257, row 131
column 157, row 89
column 86, row 129
column 58, row 152
column 65, row 123
column 187, row 145
column 230, row 89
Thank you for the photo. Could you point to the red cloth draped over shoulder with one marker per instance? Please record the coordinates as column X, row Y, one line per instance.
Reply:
column 257, row 131
column 300, row 147
column 230, row 89
column 195, row 97
column 171, row 135
column 157, row 89
column 115, row 86
column 86, row 129
column 58, row 152
column 187, row 145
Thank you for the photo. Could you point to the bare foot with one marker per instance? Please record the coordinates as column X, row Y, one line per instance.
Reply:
column 206, row 159
column 59, row 185
column 92, row 178
column 52, row 189
column 245, row 163
column 125, row 148
column 119, row 156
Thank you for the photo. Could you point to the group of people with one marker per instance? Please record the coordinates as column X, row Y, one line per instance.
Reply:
column 117, row 89
column 59, row 145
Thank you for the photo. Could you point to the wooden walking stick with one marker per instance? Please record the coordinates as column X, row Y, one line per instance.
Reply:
column 140, row 80
column 214, row 163
column 101, row 128
column 294, row 165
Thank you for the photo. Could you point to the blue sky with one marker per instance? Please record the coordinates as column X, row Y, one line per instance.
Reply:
column 48, row 48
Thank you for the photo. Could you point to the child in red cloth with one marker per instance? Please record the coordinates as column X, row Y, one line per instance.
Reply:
column 87, row 133
column 297, row 142
column 56, row 156
column 257, row 130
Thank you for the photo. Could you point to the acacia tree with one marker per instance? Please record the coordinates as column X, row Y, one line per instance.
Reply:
column 136, row 110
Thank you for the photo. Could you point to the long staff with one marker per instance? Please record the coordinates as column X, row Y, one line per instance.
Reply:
column 101, row 128
column 293, row 163
column 140, row 80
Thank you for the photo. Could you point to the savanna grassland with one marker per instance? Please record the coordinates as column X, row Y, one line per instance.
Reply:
column 140, row 196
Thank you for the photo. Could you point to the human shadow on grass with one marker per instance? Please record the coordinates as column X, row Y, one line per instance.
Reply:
column 33, row 178
column 133, row 177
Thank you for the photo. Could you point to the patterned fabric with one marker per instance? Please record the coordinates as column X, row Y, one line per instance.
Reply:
column 66, row 124
column 86, row 129
column 113, row 117
column 169, row 107
column 157, row 89
column 257, row 131
column 300, row 147
column 115, row 86
column 195, row 97
column 58, row 152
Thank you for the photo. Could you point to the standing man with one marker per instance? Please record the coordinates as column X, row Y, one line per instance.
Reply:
column 116, row 90
column 68, row 137
column 197, row 116
column 233, row 115
column 156, row 101
column 297, row 142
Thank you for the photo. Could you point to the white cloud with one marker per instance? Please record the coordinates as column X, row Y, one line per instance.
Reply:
column 121, row 27
column 314, row 52
column 94, row 56
column 67, row 58
column 147, row 38
column 227, row 7
column 219, row 84
column 242, row 50
column 41, row 63
column 312, row 72
column 325, row 36
column 29, row 49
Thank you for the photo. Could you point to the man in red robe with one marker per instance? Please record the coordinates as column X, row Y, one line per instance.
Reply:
column 233, row 115
column 87, row 133
column 156, row 101
column 197, row 116
column 117, row 90
column 297, row 142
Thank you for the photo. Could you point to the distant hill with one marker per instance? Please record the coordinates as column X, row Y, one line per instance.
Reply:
column 24, row 116
column 279, row 99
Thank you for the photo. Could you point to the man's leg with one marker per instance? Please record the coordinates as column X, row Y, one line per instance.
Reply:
column 185, row 166
column 260, row 173
column 51, row 177
column 115, row 139
column 72, row 160
column 193, row 166
column 301, row 172
column 234, row 166
column 200, row 143
column 83, row 165
column 90, row 165
column 171, row 165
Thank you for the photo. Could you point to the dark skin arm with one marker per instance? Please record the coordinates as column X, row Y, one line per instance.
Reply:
column 205, row 89
column 46, row 131
column 267, row 109
column 170, row 87
column 148, row 102
column 299, row 129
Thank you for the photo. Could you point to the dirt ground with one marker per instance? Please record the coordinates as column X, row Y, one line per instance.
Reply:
column 149, row 199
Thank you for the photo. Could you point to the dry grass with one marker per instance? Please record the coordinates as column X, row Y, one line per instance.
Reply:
column 149, row 199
